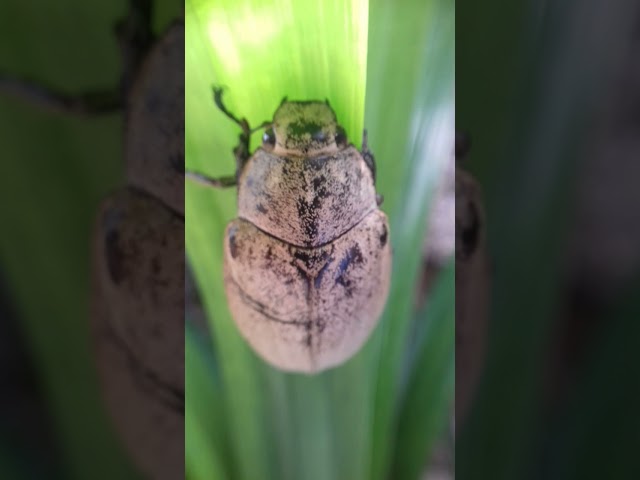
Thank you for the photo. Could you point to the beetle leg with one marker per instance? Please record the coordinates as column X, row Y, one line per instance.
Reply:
column 241, row 152
column 368, row 156
column 220, row 182
column 89, row 103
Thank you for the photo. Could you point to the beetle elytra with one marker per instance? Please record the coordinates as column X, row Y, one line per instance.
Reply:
column 307, row 263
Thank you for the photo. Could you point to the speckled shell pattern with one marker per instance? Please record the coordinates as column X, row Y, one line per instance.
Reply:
column 306, row 201
column 308, row 261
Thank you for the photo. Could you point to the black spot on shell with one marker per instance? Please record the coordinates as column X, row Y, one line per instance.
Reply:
column 261, row 208
column 353, row 256
column 303, row 256
column 318, row 181
column 383, row 236
column 468, row 234
column 233, row 248
column 342, row 281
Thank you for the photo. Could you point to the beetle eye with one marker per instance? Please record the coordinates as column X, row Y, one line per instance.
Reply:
column 268, row 138
column 341, row 137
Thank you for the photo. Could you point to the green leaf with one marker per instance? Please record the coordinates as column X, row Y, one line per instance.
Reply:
column 340, row 424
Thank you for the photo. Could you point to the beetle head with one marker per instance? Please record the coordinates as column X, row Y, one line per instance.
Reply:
column 304, row 129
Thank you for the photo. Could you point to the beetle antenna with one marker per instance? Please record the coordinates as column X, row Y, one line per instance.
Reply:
column 87, row 103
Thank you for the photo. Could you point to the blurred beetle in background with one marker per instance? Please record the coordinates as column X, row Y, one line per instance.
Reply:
column 137, row 307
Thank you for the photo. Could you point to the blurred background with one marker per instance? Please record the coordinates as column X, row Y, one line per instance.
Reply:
column 550, row 92
column 54, row 171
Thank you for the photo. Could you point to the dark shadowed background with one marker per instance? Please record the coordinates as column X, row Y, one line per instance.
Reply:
column 550, row 92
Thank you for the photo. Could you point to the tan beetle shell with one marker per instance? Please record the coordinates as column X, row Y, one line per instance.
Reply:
column 308, row 262
column 138, row 271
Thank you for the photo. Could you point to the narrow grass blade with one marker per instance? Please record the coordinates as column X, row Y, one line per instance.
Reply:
column 410, row 116
column 426, row 405
column 206, row 447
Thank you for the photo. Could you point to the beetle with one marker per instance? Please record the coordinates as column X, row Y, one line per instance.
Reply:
column 138, row 268
column 138, row 265
column 307, row 263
